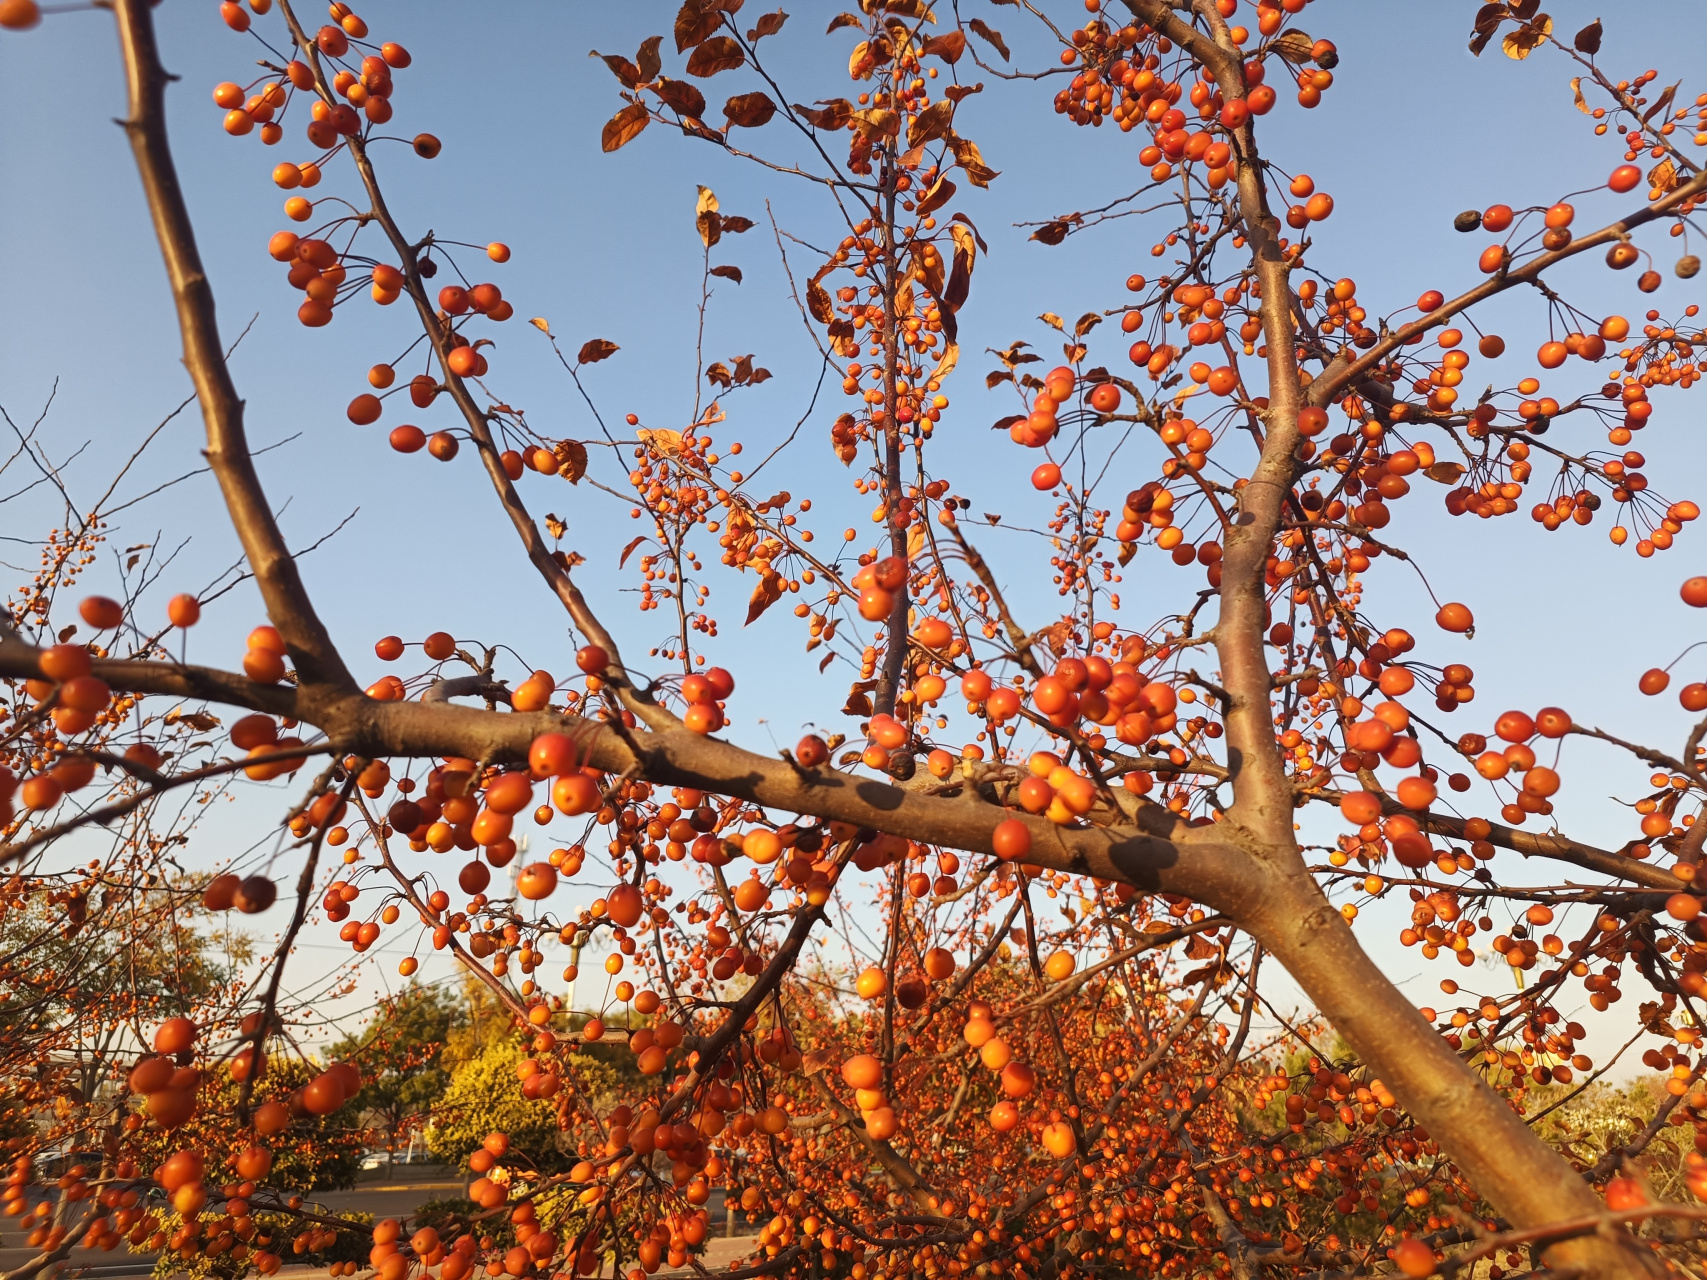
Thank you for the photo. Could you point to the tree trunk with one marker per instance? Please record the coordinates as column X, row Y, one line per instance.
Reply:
column 1528, row 1181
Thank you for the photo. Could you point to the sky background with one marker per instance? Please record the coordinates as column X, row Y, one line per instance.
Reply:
column 1413, row 131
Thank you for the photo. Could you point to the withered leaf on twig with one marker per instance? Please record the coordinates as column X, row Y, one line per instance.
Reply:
column 624, row 127
column 1526, row 39
column 571, row 458
column 720, row 53
column 695, row 22
column 646, row 61
column 595, row 349
column 948, row 46
column 621, row 68
column 680, row 95
column 769, row 24
column 749, row 110
column 835, row 114
column 993, row 38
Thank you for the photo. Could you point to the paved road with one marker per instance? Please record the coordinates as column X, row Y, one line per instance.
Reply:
column 385, row 1194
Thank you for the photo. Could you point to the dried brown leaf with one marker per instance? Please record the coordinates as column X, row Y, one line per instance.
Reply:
column 735, row 224
column 1662, row 102
column 1588, row 39
column 768, row 592
column 624, row 127
column 818, row 302
column 930, row 124
column 969, row 158
column 646, row 61
column 621, row 68
column 991, row 37
column 877, row 122
column 728, row 273
column 682, row 96
column 1663, row 176
column 842, row 20
column 571, row 458
column 835, row 114
column 595, row 349
column 749, row 110
column 960, row 276
column 720, row 53
column 936, row 195
column 1577, row 96
column 768, row 25
column 696, row 21
column 555, row 525
column 960, row 92
column 948, row 46
column 1052, row 232
column 1488, row 19
column 1445, row 472
column 1293, row 45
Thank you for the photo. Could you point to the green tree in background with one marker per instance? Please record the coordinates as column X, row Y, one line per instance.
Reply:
column 482, row 1098
column 401, row 1055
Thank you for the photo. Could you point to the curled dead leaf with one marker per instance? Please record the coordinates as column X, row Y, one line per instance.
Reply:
column 948, row 46
column 993, row 38
column 835, row 113
column 930, row 124
column 571, row 458
column 1445, row 472
column 621, row 68
column 595, row 349
column 818, row 302
column 769, row 24
column 1293, row 45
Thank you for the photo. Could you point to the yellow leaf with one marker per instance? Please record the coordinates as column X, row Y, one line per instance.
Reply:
column 663, row 442
column 706, row 219
column 540, row 323
column 1577, row 94
column 1523, row 42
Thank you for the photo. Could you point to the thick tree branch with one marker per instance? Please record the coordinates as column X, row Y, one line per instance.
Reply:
column 312, row 652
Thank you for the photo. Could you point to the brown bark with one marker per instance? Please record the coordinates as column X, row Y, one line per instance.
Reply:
column 1526, row 1179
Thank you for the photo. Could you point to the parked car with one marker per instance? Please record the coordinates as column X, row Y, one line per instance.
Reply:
column 385, row 1159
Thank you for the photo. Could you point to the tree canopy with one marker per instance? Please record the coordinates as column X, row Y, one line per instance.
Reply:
column 974, row 981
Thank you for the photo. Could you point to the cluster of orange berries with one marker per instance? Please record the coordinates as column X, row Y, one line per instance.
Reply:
column 368, row 91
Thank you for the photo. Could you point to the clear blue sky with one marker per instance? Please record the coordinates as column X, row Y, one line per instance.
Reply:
column 1414, row 130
